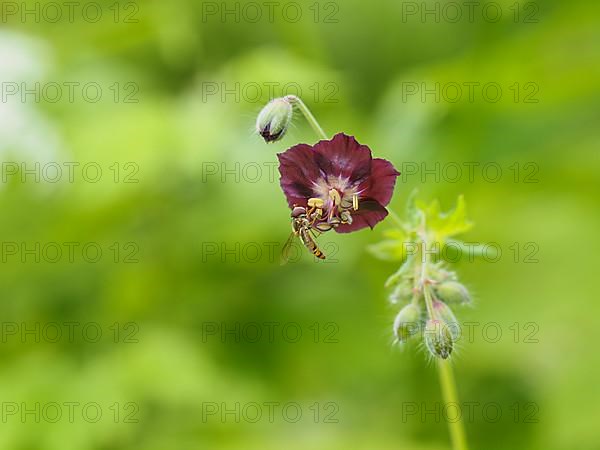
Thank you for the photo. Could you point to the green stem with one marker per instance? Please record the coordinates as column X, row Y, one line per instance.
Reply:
column 447, row 383
column 428, row 301
column 424, row 284
column 456, row 428
column 308, row 115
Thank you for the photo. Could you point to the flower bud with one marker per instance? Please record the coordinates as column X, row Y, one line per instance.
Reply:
column 438, row 338
column 402, row 293
column 407, row 322
column 452, row 292
column 274, row 119
column 438, row 273
column 444, row 312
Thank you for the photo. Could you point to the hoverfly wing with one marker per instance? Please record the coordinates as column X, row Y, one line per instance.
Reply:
column 315, row 233
column 285, row 251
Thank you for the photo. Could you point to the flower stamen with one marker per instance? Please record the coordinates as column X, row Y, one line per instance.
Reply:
column 355, row 202
column 315, row 202
column 334, row 196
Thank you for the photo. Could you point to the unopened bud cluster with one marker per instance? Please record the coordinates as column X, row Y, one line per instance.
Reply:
column 426, row 311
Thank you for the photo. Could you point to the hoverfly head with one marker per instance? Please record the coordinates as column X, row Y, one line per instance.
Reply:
column 298, row 211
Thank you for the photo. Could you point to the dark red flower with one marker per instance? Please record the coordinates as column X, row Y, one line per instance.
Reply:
column 348, row 189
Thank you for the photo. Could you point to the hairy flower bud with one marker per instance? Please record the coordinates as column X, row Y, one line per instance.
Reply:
column 438, row 273
column 452, row 292
column 402, row 293
column 438, row 338
column 444, row 312
column 274, row 119
column 407, row 322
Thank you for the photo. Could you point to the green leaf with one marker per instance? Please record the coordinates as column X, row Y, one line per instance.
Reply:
column 439, row 227
column 401, row 274
column 388, row 250
column 392, row 248
column 455, row 222
column 475, row 250
column 444, row 225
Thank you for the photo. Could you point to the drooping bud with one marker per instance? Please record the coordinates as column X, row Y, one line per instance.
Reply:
column 407, row 322
column 274, row 119
column 444, row 312
column 438, row 338
column 452, row 292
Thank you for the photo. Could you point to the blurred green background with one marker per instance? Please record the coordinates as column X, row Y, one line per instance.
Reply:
column 164, row 214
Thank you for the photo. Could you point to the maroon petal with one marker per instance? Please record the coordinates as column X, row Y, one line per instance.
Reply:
column 298, row 172
column 380, row 184
column 343, row 156
column 369, row 214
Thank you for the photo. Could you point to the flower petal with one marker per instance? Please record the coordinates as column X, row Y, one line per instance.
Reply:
column 343, row 157
column 369, row 214
column 298, row 173
column 380, row 184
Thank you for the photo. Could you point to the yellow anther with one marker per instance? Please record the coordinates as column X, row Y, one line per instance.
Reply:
column 315, row 202
column 355, row 202
column 334, row 195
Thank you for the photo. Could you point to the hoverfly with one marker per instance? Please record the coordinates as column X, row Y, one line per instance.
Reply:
column 303, row 221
